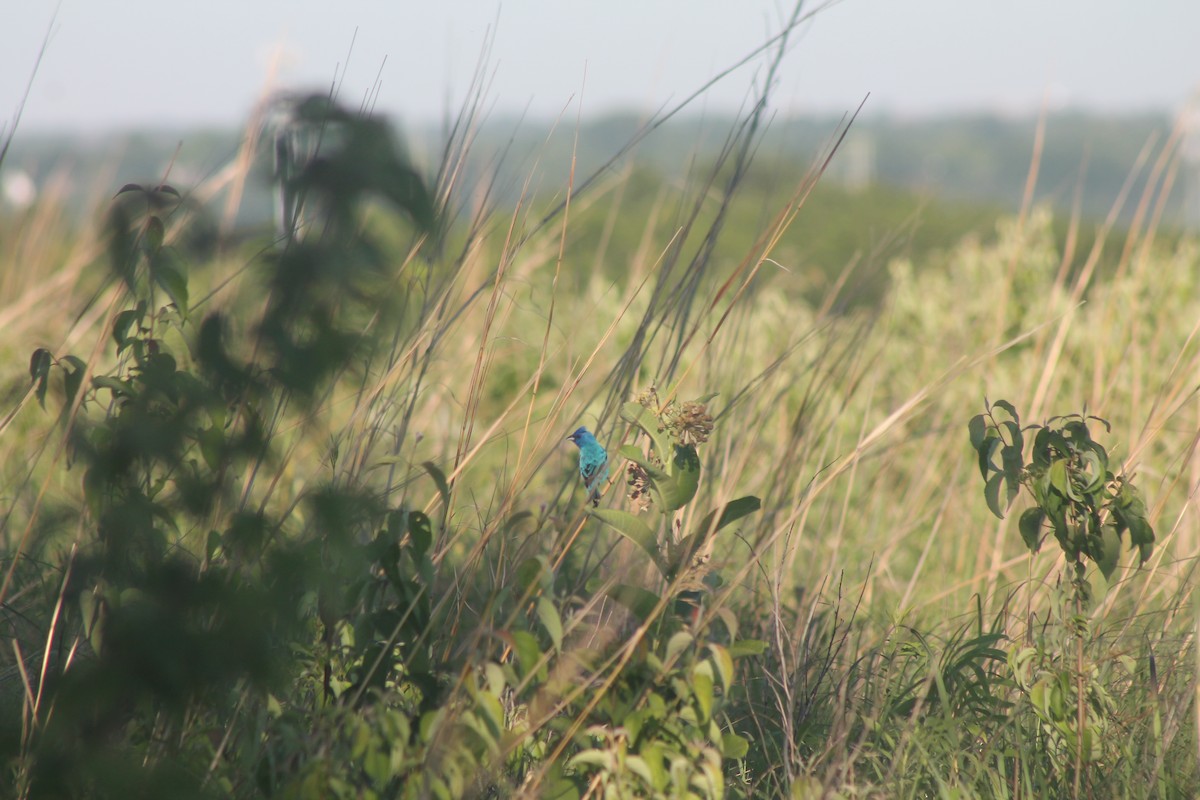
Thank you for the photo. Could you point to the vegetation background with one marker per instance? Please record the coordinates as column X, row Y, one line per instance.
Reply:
column 288, row 509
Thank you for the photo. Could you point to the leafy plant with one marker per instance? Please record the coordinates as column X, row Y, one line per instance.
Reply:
column 664, row 473
column 1088, row 508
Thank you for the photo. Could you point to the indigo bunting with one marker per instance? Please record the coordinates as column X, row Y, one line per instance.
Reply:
column 593, row 462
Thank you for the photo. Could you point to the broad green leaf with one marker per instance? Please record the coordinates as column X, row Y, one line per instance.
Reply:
column 548, row 616
column 1042, row 453
column 1078, row 430
column 532, row 572
column 977, row 430
column 991, row 493
column 1015, row 439
column 439, row 480
column 73, row 376
column 641, row 602
column 513, row 521
column 991, row 441
column 525, row 645
column 170, row 273
column 678, row 643
column 39, row 372
column 39, row 363
column 723, row 662
column 213, row 545
column 1058, row 477
column 634, row 454
column 420, row 529
column 639, row 767
column 702, row 690
column 1030, row 526
column 496, row 677
column 1110, row 550
column 212, row 446
column 730, row 512
column 492, row 712
column 747, row 647
column 679, row 490
column 1095, row 471
column 734, row 746
column 1013, row 466
column 642, row 417
column 595, row 758
column 118, row 387
column 635, row 530
column 1008, row 407
column 153, row 238
column 122, row 324
column 1012, row 463
column 652, row 754
column 92, row 609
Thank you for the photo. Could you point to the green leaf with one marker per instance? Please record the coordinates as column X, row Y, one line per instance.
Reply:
column 420, row 529
column 635, row 530
column 702, row 690
column 1059, row 480
column 118, row 387
column 1096, row 471
column 678, row 643
column 977, row 429
column 122, row 324
column 642, row 417
column 634, row 454
column 991, row 493
column 1110, row 549
column 532, row 572
column 73, row 376
column 730, row 512
column 1030, row 526
column 548, row 616
column 153, row 239
column 39, row 372
column 1015, row 439
column 747, row 647
column 439, row 480
column 638, row 766
column 723, row 662
column 679, row 490
column 734, row 746
column 525, row 645
column 169, row 272
column 595, row 758
column 39, row 363
column 641, row 602
column 512, row 522
column 991, row 441
column 213, row 545
column 1042, row 443
column 1008, row 407
column 212, row 446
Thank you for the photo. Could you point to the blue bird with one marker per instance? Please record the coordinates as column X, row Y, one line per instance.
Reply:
column 593, row 462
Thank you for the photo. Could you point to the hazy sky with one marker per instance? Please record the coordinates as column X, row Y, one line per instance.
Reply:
column 117, row 63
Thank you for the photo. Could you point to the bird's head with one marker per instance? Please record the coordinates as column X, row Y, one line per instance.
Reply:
column 581, row 437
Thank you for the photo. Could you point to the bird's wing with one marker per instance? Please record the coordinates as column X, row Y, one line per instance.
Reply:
column 592, row 466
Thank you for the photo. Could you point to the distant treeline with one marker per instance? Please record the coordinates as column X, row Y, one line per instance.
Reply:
column 1086, row 158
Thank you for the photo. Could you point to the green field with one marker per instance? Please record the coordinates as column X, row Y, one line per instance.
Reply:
column 294, row 515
